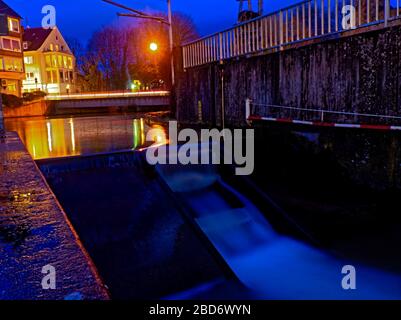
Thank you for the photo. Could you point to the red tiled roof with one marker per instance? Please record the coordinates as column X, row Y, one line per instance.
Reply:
column 35, row 37
column 5, row 9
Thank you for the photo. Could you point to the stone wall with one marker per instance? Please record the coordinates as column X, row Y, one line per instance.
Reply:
column 359, row 72
column 35, row 232
column 35, row 108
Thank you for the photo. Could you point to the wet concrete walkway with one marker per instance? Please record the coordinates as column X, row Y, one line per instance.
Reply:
column 34, row 233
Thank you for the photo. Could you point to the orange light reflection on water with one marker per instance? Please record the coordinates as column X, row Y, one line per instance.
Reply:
column 62, row 137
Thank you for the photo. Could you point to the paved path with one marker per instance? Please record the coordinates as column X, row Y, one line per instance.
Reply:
column 34, row 232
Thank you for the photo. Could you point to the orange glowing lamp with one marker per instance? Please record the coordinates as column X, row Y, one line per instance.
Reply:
column 153, row 46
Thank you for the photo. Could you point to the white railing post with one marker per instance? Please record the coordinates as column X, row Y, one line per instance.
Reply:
column 329, row 16
column 303, row 21
column 194, row 62
column 185, row 55
column 247, row 110
column 298, row 23
column 266, row 28
column 386, row 12
column 322, row 17
column 316, row 18
column 292, row 25
column 286, row 27
column 253, row 36
column 281, row 22
column 310, row 19
column 221, row 47
column 336, row 15
column 271, row 32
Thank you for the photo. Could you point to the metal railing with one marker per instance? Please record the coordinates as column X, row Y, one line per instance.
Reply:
column 111, row 94
column 312, row 114
column 304, row 20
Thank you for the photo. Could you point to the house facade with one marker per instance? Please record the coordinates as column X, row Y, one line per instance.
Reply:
column 50, row 65
column 11, row 54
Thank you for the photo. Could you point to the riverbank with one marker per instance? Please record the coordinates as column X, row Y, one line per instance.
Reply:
column 35, row 232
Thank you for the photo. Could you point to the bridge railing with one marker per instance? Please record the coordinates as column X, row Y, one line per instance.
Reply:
column 105, row 95
column 305, row 20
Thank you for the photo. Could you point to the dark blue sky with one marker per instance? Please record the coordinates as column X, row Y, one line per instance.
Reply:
column 80, row 18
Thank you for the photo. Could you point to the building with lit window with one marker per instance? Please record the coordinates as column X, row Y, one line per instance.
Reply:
column 49, row 62
column 11, row 55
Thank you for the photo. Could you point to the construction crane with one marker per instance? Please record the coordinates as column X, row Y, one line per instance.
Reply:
column 248, row 13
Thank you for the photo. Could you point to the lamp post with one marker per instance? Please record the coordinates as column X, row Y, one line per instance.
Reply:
column 2, row 128
column 170, row 22
column 142, row 15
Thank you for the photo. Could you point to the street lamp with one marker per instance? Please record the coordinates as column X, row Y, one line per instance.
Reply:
column 170, row 23
column 153, row 46
column 141, row 15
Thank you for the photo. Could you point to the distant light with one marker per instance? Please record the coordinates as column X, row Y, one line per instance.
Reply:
column 153, row 46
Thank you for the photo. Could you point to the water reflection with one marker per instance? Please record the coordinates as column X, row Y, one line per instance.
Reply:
column 61, row 137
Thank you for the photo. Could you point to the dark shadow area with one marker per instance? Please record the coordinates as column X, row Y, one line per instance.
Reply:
column 137, row 238
column 340, row 188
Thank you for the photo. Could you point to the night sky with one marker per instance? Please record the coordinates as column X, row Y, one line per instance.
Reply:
column 80, row 18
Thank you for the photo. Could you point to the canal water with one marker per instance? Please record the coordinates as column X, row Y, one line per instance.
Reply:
column 74, row 136
column 145, row 247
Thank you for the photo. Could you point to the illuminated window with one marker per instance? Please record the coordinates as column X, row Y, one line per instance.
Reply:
column 18, row 65
column 69, row 63
column 57, row 47
column 16, row 45
column 25, row 45
column 28, row 60
column 54, row 76
column 54, row 58
column 13, row 64
column 49, row 76
column 7, row 44
column 48, row 61
column 51, row 47
column 11, row 87
column 13, row 25
column 9, row 64
column 11, row 44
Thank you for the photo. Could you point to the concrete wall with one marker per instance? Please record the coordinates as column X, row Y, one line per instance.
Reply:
column 358, row 72
column 112, row 102
column 35, row 232
column 36, row 108
column 138, row 104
